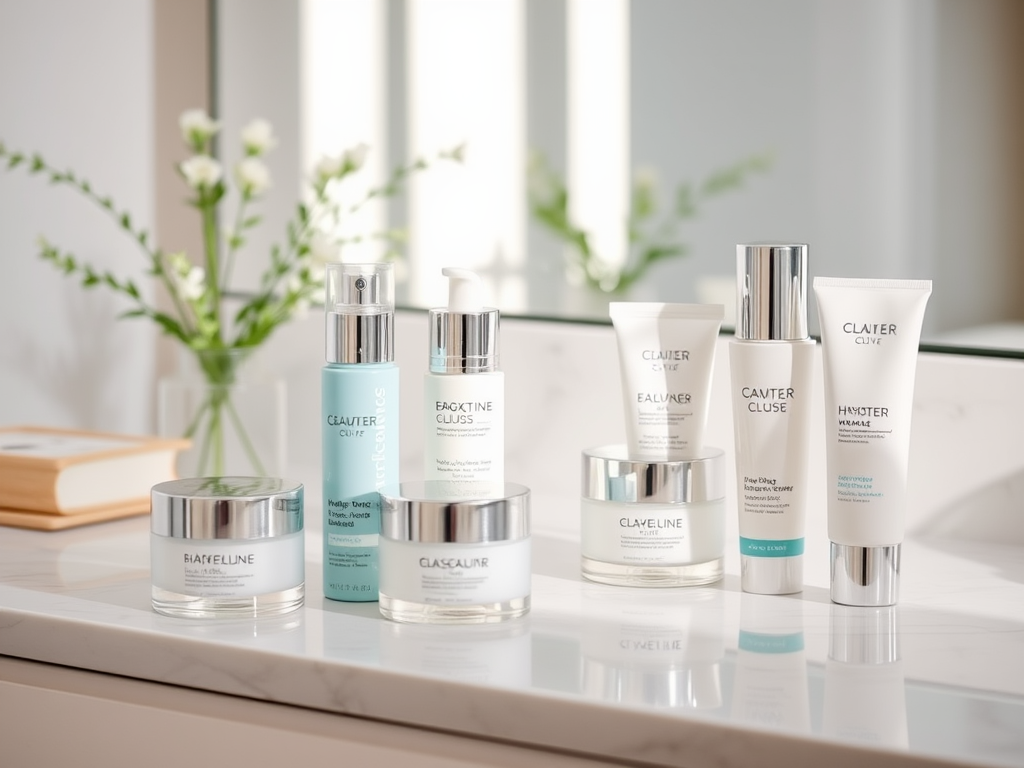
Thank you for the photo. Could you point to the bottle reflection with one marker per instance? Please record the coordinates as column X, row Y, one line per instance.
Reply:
column 652, row 648
column 489, row 654
column 865, row 693
column 770, row 688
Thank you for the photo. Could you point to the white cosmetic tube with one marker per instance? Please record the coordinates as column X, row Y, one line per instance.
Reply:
column 666, row 355
column 870, row 331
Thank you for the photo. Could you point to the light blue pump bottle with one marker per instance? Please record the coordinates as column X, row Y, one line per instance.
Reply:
column 359, row 402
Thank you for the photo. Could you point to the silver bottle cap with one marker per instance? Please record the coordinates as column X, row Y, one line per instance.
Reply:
column 463, row 335
column 226, row 508
column 868, row 576
column 442, row 512
column 359, row 300
column 862, row 635
column 771, row 291
column 610, row 475
column 772, row 575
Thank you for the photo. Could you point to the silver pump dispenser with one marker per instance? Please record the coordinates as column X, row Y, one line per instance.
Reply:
column 463, row 335
column 771, row 291
column 360, row 308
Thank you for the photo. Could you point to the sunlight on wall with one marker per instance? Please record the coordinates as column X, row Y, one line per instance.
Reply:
column 466, row 80
column 598, row 122
column 344, row 78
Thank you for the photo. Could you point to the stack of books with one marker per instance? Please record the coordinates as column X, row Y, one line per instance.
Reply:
column 56, row 478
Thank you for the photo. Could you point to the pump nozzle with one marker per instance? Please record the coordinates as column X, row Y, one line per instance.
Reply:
column 463, row 335
column 463, row 290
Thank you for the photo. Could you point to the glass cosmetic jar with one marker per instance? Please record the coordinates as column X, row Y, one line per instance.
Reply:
column 227, row 546
column 454, row 553
column 652, row 523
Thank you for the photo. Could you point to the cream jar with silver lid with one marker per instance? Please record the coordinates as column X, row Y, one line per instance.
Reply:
column 454, row 552
column 652, row 523
column 227, row 546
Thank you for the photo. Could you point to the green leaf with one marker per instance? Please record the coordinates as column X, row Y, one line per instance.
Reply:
column 15, row 160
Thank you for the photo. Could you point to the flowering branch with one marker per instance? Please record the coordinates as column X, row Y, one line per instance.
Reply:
column 650, row 239
column 293, row 278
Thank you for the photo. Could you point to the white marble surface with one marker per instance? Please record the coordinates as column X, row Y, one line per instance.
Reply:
column 655, row 676
column 649, row 675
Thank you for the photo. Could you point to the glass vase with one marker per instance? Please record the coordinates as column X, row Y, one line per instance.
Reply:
column 233, row 413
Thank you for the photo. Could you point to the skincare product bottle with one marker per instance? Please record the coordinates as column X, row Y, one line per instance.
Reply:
column 224, row 547
column 454, row 553
column 870, row 331
column 771, row 362
column 464, row 392
column 359, row 388
column 666, row 358
column 652, row 523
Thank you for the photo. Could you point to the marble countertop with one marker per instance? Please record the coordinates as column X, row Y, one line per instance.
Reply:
column 679, row 677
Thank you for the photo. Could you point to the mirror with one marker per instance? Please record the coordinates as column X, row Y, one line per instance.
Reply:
column 881, row 133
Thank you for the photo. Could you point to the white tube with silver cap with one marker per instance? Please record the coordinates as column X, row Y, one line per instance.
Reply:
column 870, row 330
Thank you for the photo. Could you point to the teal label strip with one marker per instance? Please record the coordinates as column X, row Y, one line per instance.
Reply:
column 759, row 643
column 771, row 547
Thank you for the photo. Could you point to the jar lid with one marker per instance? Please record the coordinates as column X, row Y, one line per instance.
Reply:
column 609, row 474
column 226, row 508
column 443, row 512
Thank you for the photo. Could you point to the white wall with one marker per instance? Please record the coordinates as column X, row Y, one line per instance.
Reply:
column 75, row 86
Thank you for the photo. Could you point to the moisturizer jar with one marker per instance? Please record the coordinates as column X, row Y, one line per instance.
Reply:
column 454, row 553
column 652, row 523
column 227, row 547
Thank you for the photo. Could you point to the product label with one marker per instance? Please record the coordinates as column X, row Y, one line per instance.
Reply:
column 862, row 424
column 653, row 534
column 215, row 568
column 766, row 495
column 455, row 574
column 771, row 547
column 857, row 488
column 360, row 456
column 465, row 430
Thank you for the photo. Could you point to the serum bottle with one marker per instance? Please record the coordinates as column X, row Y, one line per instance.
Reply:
column 464, row 392
column 359, row 391
column 771, row 361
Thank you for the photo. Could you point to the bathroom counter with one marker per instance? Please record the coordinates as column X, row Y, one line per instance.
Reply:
column 694, row 677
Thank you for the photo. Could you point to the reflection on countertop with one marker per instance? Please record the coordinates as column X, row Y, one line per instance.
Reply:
column 698, row 676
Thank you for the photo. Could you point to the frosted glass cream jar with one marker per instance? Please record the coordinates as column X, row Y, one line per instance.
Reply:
column 652, row 523
column 454, row 552
column 227, row 546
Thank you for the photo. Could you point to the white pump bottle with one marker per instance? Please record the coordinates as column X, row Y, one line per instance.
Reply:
column 464, row 392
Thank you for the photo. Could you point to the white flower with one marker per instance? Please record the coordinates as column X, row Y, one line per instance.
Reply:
column 355, row 157
column 328, row 167
column 197, row 127
column 252, row 175
column 192, row 285
column 201, row 171
column 258, row 137
column 323, row 248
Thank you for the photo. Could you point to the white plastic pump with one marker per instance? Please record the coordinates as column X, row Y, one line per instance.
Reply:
column 464, row 289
